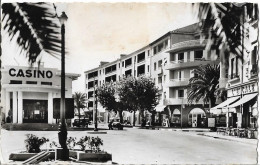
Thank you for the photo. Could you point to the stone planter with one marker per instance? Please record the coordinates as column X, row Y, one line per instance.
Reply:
column 94, row 157
column 25, row 156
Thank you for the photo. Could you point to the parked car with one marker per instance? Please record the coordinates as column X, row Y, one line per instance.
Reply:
column 115, row 123
column 80, row 123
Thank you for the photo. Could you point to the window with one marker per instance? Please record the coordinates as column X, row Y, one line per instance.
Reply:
column 165, row 43
column 234, row 67
column 148, row 53
column 119, row 65
column 15, row 82
column 180, row 75
column 140, row 70
column 86, row 85
column 181, row 93
column 46, row 83
column 160, row 80
column 164, row 78
column 154, row 66
column 123, row 64
column 148, row 69
column 31, row 82
column 198, row 54
column 254, row 60
column 159, row 63
column 128, row 62
column 180, row 56
column 154, row 50
column 160, row 47
column 141, row 57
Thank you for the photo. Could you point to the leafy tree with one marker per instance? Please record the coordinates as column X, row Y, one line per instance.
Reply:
column 80, row 100
column 204, row 84
column 138, row 94
column 107, row 96
column 227, row 24
column 34, row 26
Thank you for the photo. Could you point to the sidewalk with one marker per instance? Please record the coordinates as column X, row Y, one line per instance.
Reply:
column 230, row 138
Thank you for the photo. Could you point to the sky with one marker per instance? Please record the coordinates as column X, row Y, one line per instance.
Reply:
column 102, row 31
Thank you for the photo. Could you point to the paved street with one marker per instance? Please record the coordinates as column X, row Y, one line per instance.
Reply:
column 136, row 146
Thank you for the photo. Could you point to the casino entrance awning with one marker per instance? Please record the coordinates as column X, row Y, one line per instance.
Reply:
column 243, row 100
column 217, row 109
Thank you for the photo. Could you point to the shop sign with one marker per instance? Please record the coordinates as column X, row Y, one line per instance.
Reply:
column 30, row 73
column 211, row 122
column 246, row 89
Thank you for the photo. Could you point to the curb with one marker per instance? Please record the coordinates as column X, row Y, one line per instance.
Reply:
column 216, row 137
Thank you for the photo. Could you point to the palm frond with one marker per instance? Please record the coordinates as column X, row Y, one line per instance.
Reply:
column 34, row 26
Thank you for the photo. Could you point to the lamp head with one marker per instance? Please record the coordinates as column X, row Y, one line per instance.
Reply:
column 63, row 18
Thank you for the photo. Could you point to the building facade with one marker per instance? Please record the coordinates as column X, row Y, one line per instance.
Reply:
column 28, row 93
column 169, row 61
column 240, row 77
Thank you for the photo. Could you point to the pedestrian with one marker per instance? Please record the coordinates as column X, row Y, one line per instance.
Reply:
column 110, row 125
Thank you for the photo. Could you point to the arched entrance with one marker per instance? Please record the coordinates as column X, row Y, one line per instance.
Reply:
column 176, row 118
column 197, row 117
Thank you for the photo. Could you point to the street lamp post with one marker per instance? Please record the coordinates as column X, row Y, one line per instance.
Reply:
column 63, row 153
column 95, row 107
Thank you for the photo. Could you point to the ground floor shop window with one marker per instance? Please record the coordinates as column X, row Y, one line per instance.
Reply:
column 35, row 111
column 176, row 118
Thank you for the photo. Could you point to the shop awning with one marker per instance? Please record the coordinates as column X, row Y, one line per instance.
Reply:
column 225, row 103
column 160, row 108
column 243, row 100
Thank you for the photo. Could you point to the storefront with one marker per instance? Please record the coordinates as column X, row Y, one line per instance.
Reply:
column 240, row 108
column 28, row 93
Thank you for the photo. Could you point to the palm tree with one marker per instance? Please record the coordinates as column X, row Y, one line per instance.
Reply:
column 34, row 26
column 227, row 24
column 80, row 100
column 204, row 84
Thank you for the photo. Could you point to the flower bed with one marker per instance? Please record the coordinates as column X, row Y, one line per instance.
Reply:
column 89, row 149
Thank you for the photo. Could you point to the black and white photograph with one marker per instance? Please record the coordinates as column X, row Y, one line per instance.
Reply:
column 129, row 82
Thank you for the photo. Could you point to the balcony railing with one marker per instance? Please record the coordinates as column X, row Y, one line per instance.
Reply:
column 188, row 60
column 178, row 82
column 179, row 79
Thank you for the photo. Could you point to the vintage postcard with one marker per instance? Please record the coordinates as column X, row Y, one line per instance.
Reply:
column 129, row 82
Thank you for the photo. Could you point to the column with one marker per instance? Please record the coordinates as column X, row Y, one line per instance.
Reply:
column 7, row 103
column 50, row 108
column 20, row 107
column 14, row 106
column 223, row 68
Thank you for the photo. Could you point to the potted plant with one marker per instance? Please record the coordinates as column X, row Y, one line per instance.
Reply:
column 32, row 145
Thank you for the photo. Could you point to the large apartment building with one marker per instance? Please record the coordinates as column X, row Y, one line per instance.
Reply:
column 170, row 61
column 240, row 77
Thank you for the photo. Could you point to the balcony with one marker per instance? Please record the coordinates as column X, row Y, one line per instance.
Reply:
column 191, row 44
column 179, row 101
column 128, row 66
column 110, row 73
column 173, row 65
column 177, row 82
column 175, row 101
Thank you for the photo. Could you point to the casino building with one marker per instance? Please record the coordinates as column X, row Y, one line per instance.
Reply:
column 28, row 93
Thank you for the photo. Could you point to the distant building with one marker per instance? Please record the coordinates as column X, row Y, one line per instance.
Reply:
column 28, row 93
column 170, row 61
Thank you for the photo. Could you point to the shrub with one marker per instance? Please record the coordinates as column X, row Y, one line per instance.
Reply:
column 95, row 143
column 71, row 143
column 33, row 143
column 83, row 142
